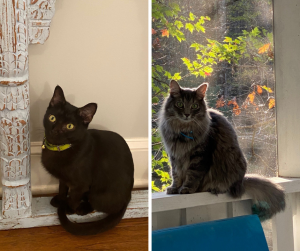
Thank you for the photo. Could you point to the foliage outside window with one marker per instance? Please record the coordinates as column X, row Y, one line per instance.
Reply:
column 228, row 44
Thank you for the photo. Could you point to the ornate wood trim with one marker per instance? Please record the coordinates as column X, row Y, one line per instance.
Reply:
column 21, row 22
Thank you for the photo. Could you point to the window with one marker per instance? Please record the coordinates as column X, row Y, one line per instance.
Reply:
column 230, row 45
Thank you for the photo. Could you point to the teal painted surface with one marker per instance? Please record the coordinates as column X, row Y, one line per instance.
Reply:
column 242, row 233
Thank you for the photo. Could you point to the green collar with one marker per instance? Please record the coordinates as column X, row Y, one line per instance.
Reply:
column 55, row 148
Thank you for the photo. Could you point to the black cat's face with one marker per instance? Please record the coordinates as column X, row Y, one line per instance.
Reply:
column 186, row 104
column 65, row 123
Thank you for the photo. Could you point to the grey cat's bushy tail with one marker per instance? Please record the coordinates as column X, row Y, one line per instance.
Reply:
column 268, row 197
column 90, row 228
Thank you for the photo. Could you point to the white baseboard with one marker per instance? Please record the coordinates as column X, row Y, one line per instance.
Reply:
column 43, row 183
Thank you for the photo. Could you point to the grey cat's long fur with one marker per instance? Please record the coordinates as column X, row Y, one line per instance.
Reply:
column 205, row 154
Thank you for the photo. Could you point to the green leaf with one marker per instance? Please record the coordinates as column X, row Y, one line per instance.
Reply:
column 155, row 100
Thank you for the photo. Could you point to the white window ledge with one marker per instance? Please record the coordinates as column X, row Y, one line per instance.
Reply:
column 177, row 210
column 163, row 202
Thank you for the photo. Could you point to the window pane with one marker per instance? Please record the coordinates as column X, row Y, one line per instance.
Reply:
column 228, row 44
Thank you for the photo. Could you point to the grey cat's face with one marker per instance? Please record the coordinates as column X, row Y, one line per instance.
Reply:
column 186, row 104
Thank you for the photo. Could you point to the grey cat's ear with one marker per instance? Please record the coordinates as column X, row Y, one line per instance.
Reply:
column 174, row 88
column 58, row 96
column 201, row 90
column 87, row 112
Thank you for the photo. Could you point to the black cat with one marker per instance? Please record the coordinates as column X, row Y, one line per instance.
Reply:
column 94, row 167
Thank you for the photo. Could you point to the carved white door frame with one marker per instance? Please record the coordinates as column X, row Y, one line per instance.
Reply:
column 24, row 22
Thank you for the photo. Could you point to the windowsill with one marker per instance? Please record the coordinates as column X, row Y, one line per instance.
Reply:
column 163, row 202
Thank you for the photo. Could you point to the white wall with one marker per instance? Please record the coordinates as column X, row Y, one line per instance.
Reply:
column 97, row 52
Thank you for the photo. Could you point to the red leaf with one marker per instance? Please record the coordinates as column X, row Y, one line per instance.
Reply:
column 156, row 43
column 220, row 102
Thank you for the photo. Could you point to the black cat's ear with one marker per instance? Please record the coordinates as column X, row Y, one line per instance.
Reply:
column 87, row 112
column 174, row 88
column 201, row 90
column 58, row 97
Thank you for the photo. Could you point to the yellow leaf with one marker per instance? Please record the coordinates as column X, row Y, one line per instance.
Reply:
column 268, row 89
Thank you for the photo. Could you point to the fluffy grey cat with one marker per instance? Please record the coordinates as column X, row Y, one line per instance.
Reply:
column 205, row 154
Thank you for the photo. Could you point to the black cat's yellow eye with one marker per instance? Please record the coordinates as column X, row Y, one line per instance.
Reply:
column 70, row 126
column 195, row 106
column 52, row 118
column 179, row 104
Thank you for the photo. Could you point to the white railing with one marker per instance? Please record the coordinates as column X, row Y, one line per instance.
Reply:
column 178, row 210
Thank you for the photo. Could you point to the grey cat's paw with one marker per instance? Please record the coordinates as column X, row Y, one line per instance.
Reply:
column 185, row 190
column 216, row 191
column 172, row 190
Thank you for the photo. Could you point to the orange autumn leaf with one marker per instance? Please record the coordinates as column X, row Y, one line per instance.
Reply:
column 259, row 89
column 271, row 103
column 264, row 48
column 165, row 33
column 220, row 102
column 153, row 31
column 236, row 109
column 251, row 97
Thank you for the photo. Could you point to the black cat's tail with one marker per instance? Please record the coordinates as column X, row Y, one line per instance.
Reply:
column 90, row 228
column 268, row 197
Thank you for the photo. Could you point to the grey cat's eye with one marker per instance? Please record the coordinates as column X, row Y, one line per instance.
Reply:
column 179, row 104
column 195, row 106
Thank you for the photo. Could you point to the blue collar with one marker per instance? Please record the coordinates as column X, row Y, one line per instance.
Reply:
column 189, row 137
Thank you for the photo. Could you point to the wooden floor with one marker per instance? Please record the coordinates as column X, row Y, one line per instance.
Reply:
column 129, row 235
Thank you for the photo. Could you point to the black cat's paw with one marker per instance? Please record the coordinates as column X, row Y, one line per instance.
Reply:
column 69, row 210
column 84, row 208
column 172, row 190
column 56, row 201
column 184, row 190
